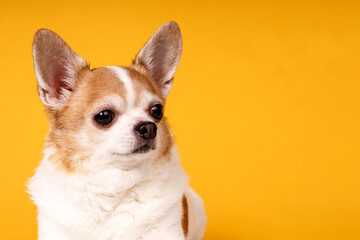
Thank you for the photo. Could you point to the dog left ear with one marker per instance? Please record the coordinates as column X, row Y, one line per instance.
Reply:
column 56, row 68
column 161, row 55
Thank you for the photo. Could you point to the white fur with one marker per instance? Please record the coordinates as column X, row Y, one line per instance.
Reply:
column 142, row 203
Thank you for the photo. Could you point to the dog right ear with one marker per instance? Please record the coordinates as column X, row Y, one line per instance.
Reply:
column 56, row 67
column 161, row 55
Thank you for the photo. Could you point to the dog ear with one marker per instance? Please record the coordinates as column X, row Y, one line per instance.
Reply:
column 161, row 54
column 56, row 67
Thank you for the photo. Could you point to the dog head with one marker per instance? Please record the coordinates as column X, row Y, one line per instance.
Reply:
column 109, row 115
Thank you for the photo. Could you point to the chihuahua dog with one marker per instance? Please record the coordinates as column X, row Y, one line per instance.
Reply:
column 110, row 169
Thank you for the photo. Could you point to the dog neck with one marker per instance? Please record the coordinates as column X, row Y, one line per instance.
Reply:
column 106, row 178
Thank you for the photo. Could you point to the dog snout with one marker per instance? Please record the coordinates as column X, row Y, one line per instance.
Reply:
column 146, row 130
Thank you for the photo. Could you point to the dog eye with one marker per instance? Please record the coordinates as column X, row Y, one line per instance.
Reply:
column 104, row 117
column 156, row 111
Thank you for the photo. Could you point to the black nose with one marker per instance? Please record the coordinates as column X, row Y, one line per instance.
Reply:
column 146, row 130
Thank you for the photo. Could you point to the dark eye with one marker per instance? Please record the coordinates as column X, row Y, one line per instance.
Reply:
column 156, row 111
column 104, row 117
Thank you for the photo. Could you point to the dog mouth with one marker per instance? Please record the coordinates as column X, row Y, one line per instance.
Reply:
column 143, row 149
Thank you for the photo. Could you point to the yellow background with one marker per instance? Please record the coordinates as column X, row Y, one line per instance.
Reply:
column 265, row 107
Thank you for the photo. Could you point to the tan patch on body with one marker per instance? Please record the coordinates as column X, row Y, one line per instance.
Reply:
column 185, row 216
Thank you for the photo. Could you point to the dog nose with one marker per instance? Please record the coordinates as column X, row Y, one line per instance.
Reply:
column 146, row 130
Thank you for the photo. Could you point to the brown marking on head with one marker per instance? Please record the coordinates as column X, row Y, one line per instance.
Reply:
column 185, row 216
column 140, row 69
column 92, row 86
column 141, row 82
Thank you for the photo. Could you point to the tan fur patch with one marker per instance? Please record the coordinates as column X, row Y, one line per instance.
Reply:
column 185, row 216
column 166, row 140
column 92, row 85
column 141, row 81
